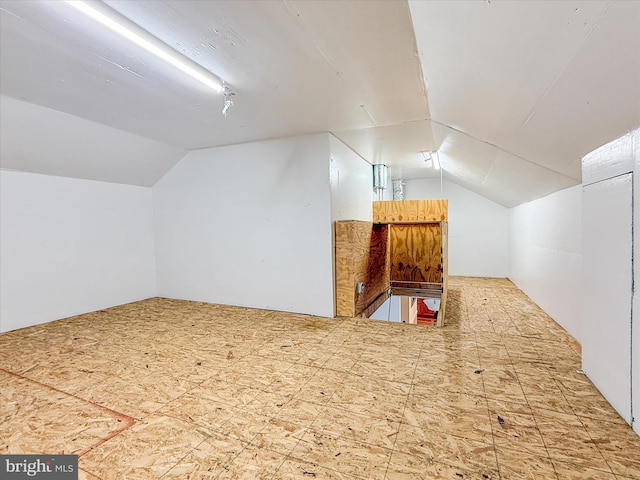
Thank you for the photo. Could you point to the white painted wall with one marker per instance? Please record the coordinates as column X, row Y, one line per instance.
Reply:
column 545, row 259
column 248, row 225
column 389, row 310
column 610, row 352
column 70, row 246
column 478, row 228
column 351, row 179
column 607, row 274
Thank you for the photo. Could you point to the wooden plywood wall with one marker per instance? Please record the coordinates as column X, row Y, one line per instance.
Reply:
column 444, row 226
column 416, row 253
column 410, row 211
column 361, row 255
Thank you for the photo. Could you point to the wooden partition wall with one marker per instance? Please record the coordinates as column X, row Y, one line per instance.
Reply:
column 416, row 253
column 411, row 211
column 361, row 257
column 402, row 252
column 418, row 262
column 418, row 247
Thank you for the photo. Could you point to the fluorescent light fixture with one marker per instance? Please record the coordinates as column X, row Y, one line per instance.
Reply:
column 436, row 160
column 431, row 159
column 132, row 32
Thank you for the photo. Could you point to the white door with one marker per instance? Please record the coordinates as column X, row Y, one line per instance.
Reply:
column 607, row 214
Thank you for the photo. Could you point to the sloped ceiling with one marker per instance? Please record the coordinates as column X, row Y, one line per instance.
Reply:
column 520, row 91
column 41, row 140
column 512, row 94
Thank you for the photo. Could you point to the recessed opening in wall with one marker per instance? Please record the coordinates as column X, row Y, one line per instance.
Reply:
column 413, row 310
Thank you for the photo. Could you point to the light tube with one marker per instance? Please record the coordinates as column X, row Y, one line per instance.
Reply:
column 436, row 160
column 142, row 38
column 431, row 159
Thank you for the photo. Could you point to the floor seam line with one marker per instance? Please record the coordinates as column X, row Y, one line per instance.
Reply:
column 129, row 421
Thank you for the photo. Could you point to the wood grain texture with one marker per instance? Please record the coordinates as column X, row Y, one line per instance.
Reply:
column 377, row 303
column 411, row 211
column 444, row 228
column 423, row 289
column 346, row 244
column 416, row 254
column 202, row 380
column 374, row 269
column 443, row 305
column 361, row 255
column 419, row 261
column 445, row 272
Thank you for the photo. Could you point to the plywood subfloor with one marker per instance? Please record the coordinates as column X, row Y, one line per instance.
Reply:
column 183, row 390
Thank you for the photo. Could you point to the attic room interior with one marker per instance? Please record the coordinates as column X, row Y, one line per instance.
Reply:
column 178, row 203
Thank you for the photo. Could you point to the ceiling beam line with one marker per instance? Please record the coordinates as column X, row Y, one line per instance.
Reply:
column 505, row 151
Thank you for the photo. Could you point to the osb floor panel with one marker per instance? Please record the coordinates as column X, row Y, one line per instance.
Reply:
column 183, row 390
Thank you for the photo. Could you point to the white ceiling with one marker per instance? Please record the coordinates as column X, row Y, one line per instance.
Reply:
column 518, row 91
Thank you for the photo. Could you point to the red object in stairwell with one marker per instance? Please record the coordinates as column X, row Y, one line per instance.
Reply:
column 424, row 311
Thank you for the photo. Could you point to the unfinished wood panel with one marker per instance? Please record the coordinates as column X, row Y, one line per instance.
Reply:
column 443, row 305
column 374, row 268
column 410, row 211
column 349, row 238
column 419, row 265
column 235, row 357
column 416, row 253
column 444, row 230
column 417, row 289
column 361, row 255
column 445, row 272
